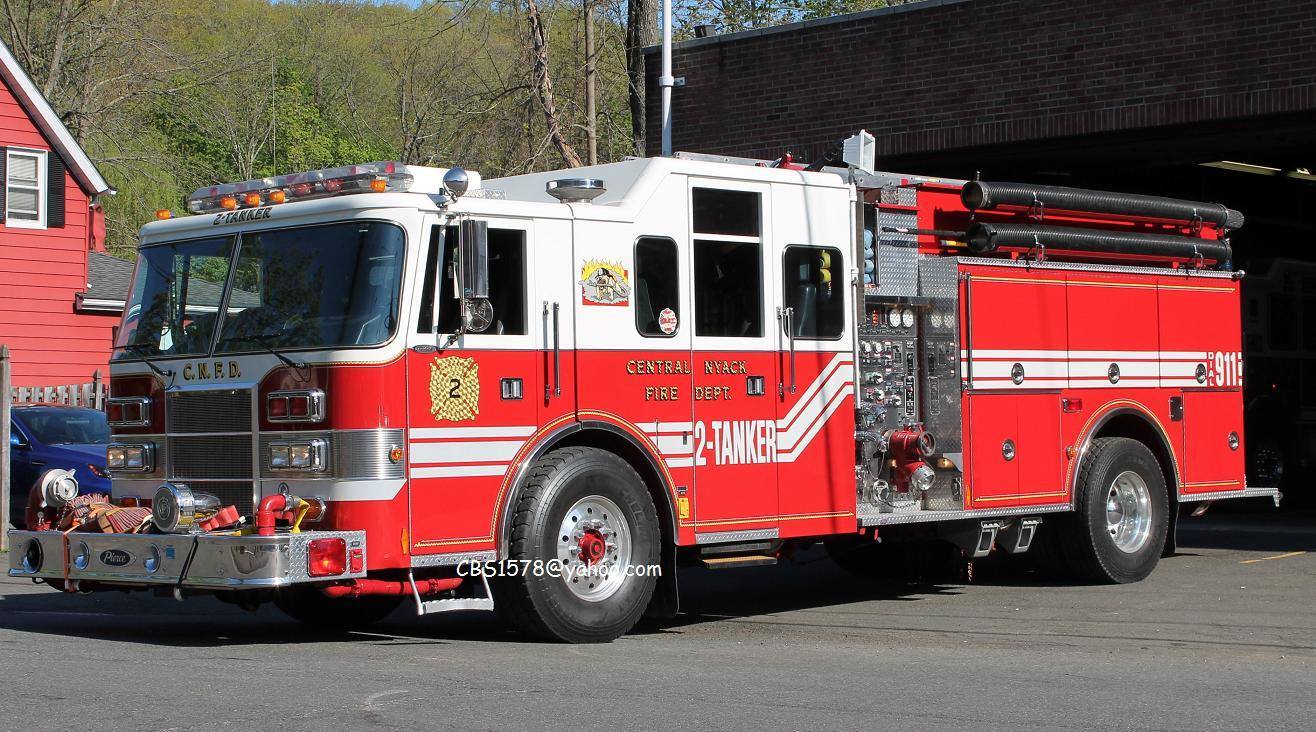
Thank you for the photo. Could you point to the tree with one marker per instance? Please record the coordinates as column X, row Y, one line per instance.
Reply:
column 641, row 32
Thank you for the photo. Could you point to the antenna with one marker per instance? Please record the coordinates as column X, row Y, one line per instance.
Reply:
column 274, row 121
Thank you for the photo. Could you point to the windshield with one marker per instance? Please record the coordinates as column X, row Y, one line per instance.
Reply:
column 315, row 287
column 53, row 426
column 329, row 286
column 175, row 298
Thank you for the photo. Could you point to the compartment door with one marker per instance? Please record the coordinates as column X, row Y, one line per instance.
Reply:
column 1041, row 455
column 993, row 430
column 1212, row 461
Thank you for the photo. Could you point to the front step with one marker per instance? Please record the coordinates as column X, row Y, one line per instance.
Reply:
column 746, row 560
column 451, row 604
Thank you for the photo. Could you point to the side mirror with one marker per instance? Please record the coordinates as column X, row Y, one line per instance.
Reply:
column 474, row 263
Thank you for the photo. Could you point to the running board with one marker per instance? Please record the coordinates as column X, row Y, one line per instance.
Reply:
column 749, row 560
column 458, row 603
column 453, row 604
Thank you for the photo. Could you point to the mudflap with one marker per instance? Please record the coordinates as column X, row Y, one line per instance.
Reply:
column 665, row 603
column 1172, row 532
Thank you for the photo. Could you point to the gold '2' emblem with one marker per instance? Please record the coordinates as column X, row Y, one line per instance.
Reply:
column 454, row 389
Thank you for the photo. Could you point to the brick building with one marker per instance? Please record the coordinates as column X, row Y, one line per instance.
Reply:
column 939, row 78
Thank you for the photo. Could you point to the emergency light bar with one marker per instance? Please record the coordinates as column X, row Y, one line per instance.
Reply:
column 364, row 178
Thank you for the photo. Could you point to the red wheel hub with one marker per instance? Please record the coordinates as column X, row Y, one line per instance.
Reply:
column 592, row 546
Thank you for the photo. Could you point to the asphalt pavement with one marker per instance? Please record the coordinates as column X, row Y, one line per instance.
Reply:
column 1221, row 636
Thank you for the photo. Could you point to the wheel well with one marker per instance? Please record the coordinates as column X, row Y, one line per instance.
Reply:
column 1137, row 427
column 638, row 459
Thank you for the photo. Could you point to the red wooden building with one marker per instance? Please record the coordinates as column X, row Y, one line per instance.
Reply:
column 51, row 227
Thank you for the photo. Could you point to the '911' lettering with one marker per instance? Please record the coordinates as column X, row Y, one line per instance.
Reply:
column 1224, row 368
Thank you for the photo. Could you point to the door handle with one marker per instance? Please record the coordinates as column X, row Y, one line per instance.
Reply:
column 557, row 355
column 787, row 316
column 555, row 388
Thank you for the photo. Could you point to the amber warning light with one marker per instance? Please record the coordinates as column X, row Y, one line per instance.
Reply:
column 366, row 178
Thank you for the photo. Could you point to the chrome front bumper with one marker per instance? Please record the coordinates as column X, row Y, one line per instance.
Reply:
column 218, row 562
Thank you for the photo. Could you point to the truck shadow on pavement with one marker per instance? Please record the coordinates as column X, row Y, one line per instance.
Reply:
column 811, row 581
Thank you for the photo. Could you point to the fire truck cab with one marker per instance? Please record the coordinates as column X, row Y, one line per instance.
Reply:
column 344, row 389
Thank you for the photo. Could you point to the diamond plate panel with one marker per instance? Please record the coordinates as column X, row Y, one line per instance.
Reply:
column 897, row 271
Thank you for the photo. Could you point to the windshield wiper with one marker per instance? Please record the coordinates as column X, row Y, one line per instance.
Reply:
column 263, row 340
column 133, row 350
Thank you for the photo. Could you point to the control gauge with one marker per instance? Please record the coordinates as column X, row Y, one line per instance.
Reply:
column 907, row 318
column 935, row 320
column 893, row 317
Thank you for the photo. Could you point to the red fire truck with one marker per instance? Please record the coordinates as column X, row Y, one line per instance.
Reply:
column 345, row 389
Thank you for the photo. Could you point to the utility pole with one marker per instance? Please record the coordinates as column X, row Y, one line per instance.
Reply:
column 666, row 81
column 5, row 477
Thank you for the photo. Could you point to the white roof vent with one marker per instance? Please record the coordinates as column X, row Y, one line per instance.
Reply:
column 576, row 190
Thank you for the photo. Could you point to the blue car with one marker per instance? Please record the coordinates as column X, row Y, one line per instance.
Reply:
column 42, row 437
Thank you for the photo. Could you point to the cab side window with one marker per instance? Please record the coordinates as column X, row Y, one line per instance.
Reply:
column 507, row 284
column 656, row 306
column 728, row 263
column 810, row 288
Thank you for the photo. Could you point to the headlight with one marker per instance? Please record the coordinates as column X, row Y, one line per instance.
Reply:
column 130, row 458
column 128, row 412
column 58, row 487
column 176, row 508
column 306, row 455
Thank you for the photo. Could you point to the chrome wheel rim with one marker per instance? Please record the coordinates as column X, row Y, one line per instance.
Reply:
column 594, row 548
column 1128, row 512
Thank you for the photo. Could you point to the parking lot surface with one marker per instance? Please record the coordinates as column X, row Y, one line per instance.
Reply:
column 1221, row 636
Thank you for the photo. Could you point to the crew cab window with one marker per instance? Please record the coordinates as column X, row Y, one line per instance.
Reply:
column 507, row 283
column 810, row 287
column 657, row 309
column 728, row 263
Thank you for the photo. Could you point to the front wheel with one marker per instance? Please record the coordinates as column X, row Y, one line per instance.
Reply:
column 1118, row 530
column 585, row 544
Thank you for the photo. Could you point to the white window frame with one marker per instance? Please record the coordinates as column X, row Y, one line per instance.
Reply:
column 42, row 186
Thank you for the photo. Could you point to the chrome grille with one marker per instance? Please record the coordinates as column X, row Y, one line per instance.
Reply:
column 229, row 492
column 216, row 457
column 227, row 410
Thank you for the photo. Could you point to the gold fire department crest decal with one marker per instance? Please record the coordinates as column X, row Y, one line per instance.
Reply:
column 454, row 389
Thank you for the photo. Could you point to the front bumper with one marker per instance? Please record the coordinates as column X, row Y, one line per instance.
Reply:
column 218, row 562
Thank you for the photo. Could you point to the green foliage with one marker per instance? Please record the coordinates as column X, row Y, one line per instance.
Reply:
column 170, row 97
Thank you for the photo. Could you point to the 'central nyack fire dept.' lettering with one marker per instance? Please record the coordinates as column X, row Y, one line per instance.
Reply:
column 736, row 441
column 636, row 367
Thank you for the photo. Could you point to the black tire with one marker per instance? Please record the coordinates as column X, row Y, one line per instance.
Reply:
column 1089, row 548
column 541, row 604
column 310, row 607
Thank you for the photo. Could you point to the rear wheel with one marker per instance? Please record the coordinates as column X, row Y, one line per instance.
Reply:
column 309, row 606
column 586, row 518
column 1117, row 533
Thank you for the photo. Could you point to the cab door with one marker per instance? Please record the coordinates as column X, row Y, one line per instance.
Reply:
column 733, row 358
column 474, row 398
column 814, row 406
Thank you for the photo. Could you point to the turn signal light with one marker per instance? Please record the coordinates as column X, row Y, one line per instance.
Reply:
column 251, row 199
column 163, row 213
column 278, row 196
column 228, row 203
column 379, row 185
column 326, row 557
